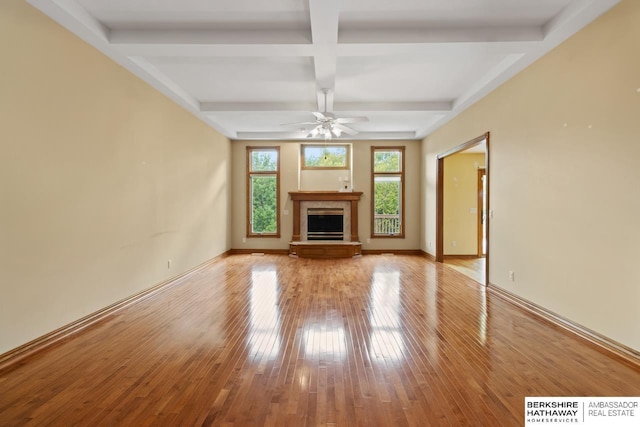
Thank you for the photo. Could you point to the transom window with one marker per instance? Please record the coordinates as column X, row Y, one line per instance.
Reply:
column 387, row 188
column 325, row 156
column 263, row 195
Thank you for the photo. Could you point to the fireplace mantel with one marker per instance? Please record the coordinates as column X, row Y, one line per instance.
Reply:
column 333, row 196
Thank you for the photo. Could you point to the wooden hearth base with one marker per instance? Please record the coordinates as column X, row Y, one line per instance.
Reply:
column 325, row 249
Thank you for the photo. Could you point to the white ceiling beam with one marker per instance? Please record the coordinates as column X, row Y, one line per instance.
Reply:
column 324, row 16
column 231, row 37
column 71, row 15
column 423, row 50
column 435, row 106
column 436, row 50
column 300, row 136
column 343, row 107
column 442, row 35
column 272, row 135
column 573, row 17
column 207, row 50
column 256, row 106
column 382, row 135
column 275, row 43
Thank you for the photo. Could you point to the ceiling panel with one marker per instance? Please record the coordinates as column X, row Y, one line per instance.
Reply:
column 255, row 79
column 200, row 14
column 450, row 13
column 412, row 79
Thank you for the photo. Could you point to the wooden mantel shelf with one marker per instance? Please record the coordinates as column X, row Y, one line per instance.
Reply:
column 332, row 196
column 325, row 195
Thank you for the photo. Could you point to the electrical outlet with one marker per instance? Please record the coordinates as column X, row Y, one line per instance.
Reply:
column 512, row 276
column 454, row 243
column 169, row 264
column 244, row 240
column 368, row 240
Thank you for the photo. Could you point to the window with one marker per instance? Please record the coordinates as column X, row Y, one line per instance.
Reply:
column 325, row 156
column 263, row 191
column 387, row 188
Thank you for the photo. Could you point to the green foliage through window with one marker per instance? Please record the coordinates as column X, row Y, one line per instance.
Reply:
column 325, row 156
column 262, row 200
column 387, row 195
column 263, row 204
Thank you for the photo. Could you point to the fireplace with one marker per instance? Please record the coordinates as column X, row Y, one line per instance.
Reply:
column 325, row 223
column 337, row 213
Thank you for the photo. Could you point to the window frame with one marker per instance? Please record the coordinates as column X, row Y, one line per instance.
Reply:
column 304, row 166
column 401, row 175
column 249, row 175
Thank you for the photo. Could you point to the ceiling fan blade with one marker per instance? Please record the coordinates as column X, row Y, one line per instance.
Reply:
column 318, row 115
column 352, row 119
column 345, row 129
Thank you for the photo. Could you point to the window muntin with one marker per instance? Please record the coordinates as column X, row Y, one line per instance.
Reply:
column 324, row 156
column 387, row 189
column 263, row 191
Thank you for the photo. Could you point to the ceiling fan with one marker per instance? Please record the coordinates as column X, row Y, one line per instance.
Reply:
column 328, row 125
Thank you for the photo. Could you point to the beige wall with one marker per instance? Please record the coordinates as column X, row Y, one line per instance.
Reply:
column 461, row 203
column 361, row 155
column 103, row 180
column 564, row 177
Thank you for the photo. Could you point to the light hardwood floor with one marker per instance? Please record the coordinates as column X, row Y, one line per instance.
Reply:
column 272, row 340
column 471, row 267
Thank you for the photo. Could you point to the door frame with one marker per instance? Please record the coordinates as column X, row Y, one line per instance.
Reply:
column 440, row 196
column 482, row 172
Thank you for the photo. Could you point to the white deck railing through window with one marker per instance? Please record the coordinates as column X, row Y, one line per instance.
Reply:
column 386, row 224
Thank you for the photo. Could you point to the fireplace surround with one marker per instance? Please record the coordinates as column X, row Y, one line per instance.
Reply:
column 303, row 245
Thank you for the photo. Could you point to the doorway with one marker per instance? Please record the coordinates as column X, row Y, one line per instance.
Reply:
column 480, row 260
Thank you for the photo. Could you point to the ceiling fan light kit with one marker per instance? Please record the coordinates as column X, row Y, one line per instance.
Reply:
column 327, row 125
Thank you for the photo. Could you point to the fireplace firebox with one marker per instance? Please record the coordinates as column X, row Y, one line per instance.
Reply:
column 325, row 224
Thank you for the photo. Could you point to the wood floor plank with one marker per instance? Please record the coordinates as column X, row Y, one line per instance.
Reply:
column 277, row 341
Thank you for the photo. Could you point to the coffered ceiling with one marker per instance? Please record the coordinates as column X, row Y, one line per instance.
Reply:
column 247, row 67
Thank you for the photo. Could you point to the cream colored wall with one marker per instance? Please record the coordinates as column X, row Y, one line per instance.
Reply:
column 461, row 203
column 322, row 180
column 103, row 180
column 564, row 177
column 289, row 155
